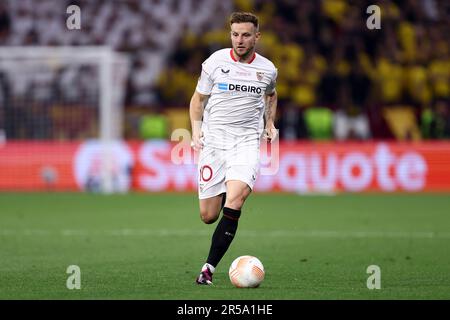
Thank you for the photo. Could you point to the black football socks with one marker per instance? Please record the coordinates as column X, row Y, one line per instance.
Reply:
column 223, row 235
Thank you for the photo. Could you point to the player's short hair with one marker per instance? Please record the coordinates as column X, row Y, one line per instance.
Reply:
column 241, row 17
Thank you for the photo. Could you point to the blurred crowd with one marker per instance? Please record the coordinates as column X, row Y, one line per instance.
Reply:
column 338, row 79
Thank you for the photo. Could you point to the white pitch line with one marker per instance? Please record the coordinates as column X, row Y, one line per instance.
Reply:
column 243, row 233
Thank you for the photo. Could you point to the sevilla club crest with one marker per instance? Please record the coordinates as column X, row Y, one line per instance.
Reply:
column 259, row 75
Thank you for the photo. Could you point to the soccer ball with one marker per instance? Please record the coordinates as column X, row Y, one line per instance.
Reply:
column 246, row 272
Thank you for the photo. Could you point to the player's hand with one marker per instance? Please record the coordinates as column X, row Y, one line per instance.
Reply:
column 197, row 141
column 270, row 133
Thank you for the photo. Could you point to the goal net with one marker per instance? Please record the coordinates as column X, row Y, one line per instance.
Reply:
column 64, row 94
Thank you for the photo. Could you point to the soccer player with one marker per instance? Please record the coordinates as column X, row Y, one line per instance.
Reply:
column 233, row 106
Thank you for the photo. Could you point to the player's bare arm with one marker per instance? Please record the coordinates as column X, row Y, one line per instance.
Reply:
column 271, row 109
column 196, row 113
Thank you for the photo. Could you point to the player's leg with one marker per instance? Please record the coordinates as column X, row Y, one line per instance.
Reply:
column 209, row 212
column 211, row 184
column 239, row 182
column 237, row 193
column 210, row 208
column 243, row 167
column 212, row 196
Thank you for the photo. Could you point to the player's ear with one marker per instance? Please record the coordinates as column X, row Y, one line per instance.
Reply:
column 257, row 35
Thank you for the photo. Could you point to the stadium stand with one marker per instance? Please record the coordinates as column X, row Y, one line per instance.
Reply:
column 325, row 54
column 402, row 122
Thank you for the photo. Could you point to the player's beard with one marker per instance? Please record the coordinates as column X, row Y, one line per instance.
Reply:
column 246, row 54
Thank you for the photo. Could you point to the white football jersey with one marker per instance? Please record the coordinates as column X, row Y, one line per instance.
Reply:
column 234, row 112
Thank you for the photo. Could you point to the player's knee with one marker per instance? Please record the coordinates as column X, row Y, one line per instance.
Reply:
column 208, row 217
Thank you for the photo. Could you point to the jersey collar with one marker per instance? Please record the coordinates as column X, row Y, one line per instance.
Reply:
column 251, row 60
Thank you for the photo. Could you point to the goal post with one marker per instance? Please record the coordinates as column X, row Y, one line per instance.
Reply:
column 65, row 93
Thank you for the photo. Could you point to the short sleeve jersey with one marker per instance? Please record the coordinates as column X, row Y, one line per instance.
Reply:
column 235, row 108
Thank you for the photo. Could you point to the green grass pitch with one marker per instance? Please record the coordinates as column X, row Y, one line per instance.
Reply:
column 151, row 246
